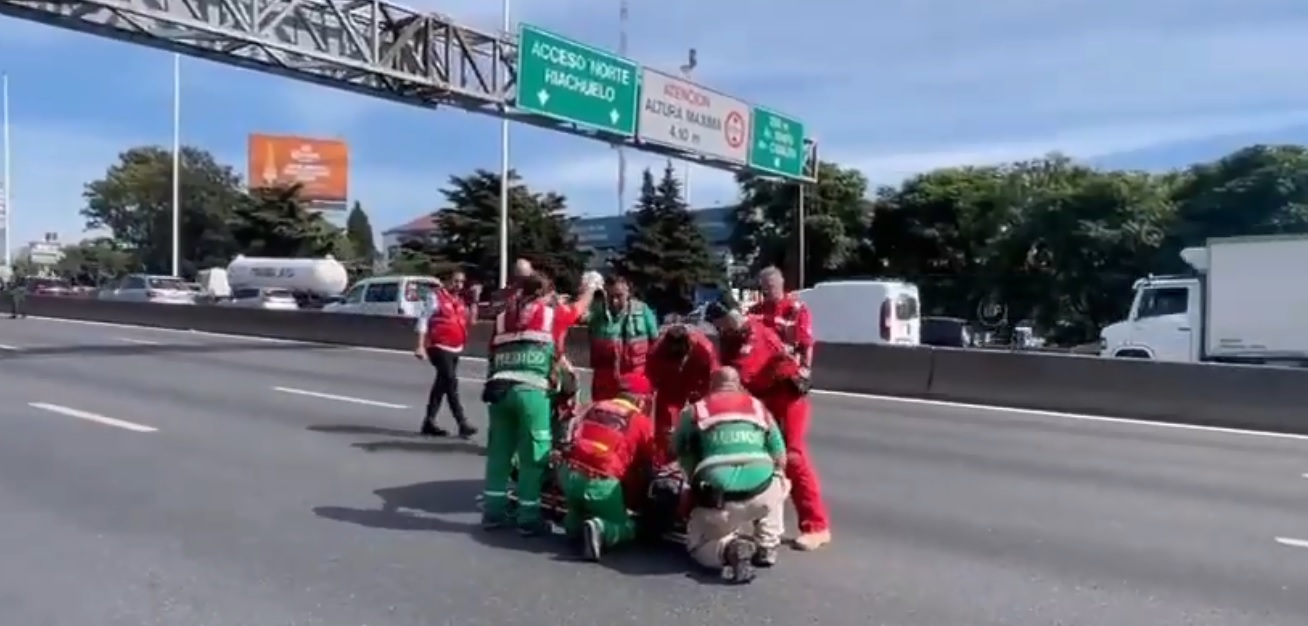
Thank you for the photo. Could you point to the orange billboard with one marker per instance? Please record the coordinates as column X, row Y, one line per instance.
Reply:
column 320, row 166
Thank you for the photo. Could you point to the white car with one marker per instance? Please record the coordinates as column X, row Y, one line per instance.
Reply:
column 147, row 288
column 262, row 298
column 396, row 296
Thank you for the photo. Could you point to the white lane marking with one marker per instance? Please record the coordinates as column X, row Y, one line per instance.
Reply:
column 93, row 417
column 144, row 342
column 819, row 392
column 1292, row 542
column 332, row 396
column 10, row 348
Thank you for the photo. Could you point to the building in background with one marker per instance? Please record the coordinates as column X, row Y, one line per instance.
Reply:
column 606, row 237
column 603, row 237
column 418, row 229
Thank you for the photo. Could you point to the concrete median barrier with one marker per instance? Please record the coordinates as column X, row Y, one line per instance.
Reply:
column 1256, row 398
column 879, row 370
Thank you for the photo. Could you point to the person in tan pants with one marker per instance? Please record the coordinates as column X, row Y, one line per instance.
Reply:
column 711, row 534
column 735, row 456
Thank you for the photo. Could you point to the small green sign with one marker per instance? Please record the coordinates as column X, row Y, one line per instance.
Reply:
column 776, row 144
column 572, row 82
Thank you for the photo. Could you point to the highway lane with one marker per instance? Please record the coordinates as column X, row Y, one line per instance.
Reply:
column 251, row 505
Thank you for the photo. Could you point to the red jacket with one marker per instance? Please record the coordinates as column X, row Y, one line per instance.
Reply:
column 447, row 321
column 681, row 381
column 791, row 320
column 760, row 356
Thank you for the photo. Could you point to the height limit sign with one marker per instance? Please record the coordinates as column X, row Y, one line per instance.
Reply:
column 680, row 114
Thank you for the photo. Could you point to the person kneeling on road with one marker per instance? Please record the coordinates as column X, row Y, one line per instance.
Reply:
column 735, row 456
column 607, row 454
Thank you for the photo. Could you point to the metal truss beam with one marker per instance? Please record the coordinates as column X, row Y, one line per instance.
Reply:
column 368, row 47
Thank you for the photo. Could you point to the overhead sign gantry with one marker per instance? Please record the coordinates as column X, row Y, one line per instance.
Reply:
column 385, row 50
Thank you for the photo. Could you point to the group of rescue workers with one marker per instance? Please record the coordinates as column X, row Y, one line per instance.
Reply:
column 675, row 428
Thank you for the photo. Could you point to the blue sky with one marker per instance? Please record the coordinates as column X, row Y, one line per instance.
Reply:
column 892, row 87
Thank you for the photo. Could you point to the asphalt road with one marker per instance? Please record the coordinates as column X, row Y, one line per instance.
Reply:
column 177, row 478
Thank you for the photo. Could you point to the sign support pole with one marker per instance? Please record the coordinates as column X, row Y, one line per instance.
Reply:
column 799, row 230
column 504, row 165
column 177, row 164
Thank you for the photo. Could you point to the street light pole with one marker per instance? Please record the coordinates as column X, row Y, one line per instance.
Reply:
column 177, row 164
column 506, row 16
column 8, row 205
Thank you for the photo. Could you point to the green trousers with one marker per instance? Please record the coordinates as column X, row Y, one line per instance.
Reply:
column 596, row 498
column 519, row 425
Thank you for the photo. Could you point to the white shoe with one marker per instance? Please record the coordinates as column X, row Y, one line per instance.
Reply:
column 808, row 542
column 592, row 539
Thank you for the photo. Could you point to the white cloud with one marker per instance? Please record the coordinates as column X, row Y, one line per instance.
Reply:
column 1088, row 143
column 893, row 87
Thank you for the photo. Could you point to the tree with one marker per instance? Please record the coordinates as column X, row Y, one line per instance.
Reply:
column 836, row 213
column 134, row 201
column 938, row 229
column 1258, row 190
column 274, row 222
column 359, row 229
column 422, row 258
column 468, row 229
column 94, row 261
column 666, row 254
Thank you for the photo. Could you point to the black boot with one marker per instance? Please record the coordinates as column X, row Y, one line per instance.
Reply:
column 466, row 430
column 738, row 561
column 430, row 429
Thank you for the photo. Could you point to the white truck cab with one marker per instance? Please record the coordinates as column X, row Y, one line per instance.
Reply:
column 1244, row 304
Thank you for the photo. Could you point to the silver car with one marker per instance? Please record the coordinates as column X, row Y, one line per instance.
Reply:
column 147, row 288
column 262, row 298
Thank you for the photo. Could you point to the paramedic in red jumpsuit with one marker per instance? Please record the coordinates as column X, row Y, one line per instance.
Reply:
column 678, row 367
column 786, row 314
column 768, row 371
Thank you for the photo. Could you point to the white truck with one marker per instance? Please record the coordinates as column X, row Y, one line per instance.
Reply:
column 1243, row 304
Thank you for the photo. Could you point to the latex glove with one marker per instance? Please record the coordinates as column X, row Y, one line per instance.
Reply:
column 591, row 280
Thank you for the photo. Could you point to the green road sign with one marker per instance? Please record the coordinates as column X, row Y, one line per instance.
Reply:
column 573, row 82
column 776, row 144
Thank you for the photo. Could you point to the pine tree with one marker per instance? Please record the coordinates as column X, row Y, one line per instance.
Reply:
column 359, row 229
column 666, row 254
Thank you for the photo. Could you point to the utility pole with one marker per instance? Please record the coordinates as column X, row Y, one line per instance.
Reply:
column 687, row 70
column 623, row 14
column 177, row 165
column 504, row 160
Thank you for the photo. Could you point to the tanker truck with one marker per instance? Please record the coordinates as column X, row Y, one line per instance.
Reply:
column 312, row 282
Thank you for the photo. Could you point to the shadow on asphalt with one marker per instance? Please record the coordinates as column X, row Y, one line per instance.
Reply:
column 132, row 349
column 421, row 507
column 403, row 440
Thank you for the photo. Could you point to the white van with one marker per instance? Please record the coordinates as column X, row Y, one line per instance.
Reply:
column 396, row 296
column 864, row 312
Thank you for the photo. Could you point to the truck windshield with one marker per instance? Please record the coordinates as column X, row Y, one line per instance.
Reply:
column 1163, row 301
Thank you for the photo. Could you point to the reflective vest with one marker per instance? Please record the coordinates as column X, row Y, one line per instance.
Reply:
column 620, row 344
column 600, row 446
column 448, row 326
column 783, row 317
column 733, row 429
column 522, row 349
